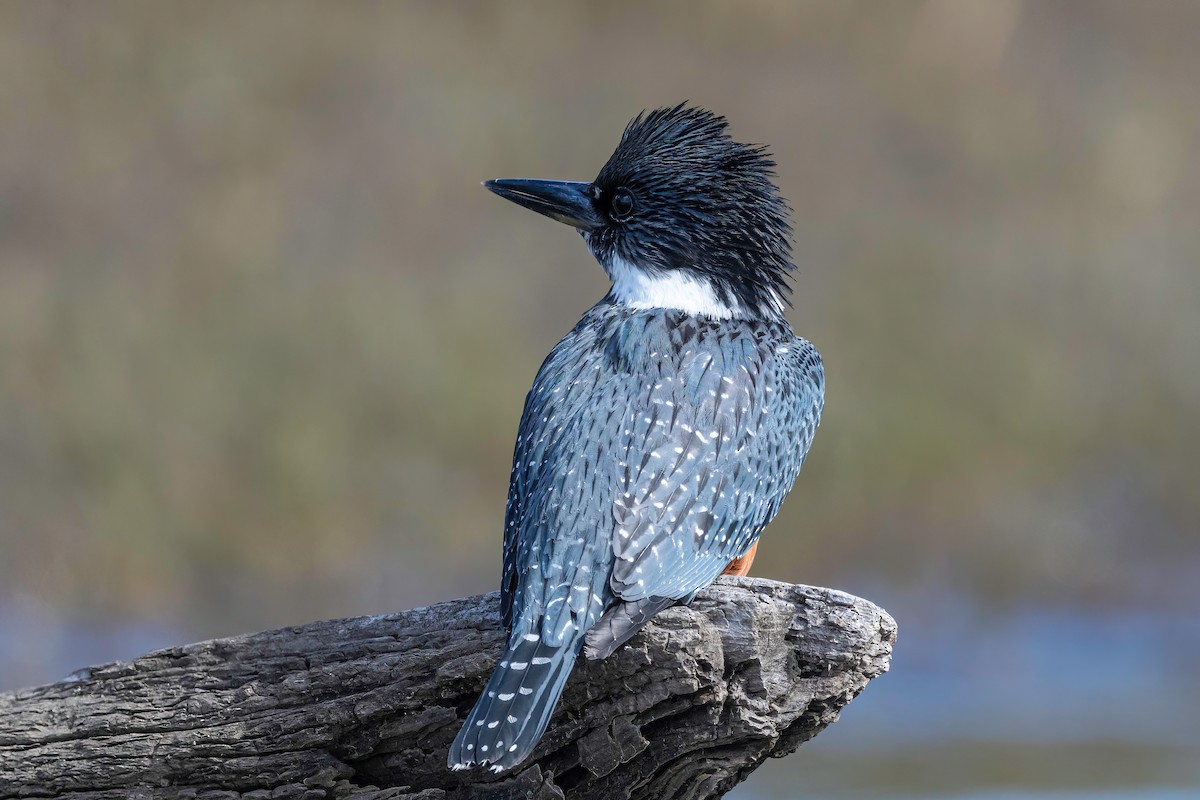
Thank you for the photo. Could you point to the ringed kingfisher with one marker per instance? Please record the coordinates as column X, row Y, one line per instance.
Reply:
column 663, row 432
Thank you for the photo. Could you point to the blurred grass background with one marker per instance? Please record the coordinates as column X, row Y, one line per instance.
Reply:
column 264, row 339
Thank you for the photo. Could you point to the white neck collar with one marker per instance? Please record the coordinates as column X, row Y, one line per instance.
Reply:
column 675, row 289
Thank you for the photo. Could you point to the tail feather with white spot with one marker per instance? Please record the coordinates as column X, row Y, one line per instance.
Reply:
column 516, row 705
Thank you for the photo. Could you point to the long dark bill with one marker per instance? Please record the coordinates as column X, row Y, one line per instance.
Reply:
column 569, row 202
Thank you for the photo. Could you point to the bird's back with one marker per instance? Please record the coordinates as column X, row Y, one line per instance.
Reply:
column 654, row 447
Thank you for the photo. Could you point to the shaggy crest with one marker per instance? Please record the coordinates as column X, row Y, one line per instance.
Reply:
column 679, row 194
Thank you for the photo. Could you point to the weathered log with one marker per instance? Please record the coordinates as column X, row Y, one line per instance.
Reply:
column 366, row 708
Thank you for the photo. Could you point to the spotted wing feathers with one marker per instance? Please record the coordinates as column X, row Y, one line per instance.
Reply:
column 710, row 460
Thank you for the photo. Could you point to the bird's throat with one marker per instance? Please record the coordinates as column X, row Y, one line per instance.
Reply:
column 642, row 288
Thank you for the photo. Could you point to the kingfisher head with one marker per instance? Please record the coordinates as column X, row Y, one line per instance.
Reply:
column 680, row 217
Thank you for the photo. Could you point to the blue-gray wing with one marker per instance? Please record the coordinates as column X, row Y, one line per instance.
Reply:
column 559, row 491
column 708, row 456
column 645, row 463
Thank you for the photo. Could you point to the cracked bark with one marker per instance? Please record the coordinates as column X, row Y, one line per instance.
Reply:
column 366, row 708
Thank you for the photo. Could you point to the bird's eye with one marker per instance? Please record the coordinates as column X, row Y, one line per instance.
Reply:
column 623, row 203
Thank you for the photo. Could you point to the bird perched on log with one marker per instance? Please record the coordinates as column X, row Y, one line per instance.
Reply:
column 663, row 432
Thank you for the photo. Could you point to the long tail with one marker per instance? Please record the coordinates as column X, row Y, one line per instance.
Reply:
column 517, row 703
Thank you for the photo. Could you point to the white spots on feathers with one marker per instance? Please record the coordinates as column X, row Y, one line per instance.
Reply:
column 646, row 454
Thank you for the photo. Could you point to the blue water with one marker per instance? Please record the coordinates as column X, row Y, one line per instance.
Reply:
column 38, row 645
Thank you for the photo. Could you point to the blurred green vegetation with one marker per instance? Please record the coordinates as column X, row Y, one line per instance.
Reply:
column 264, row 340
